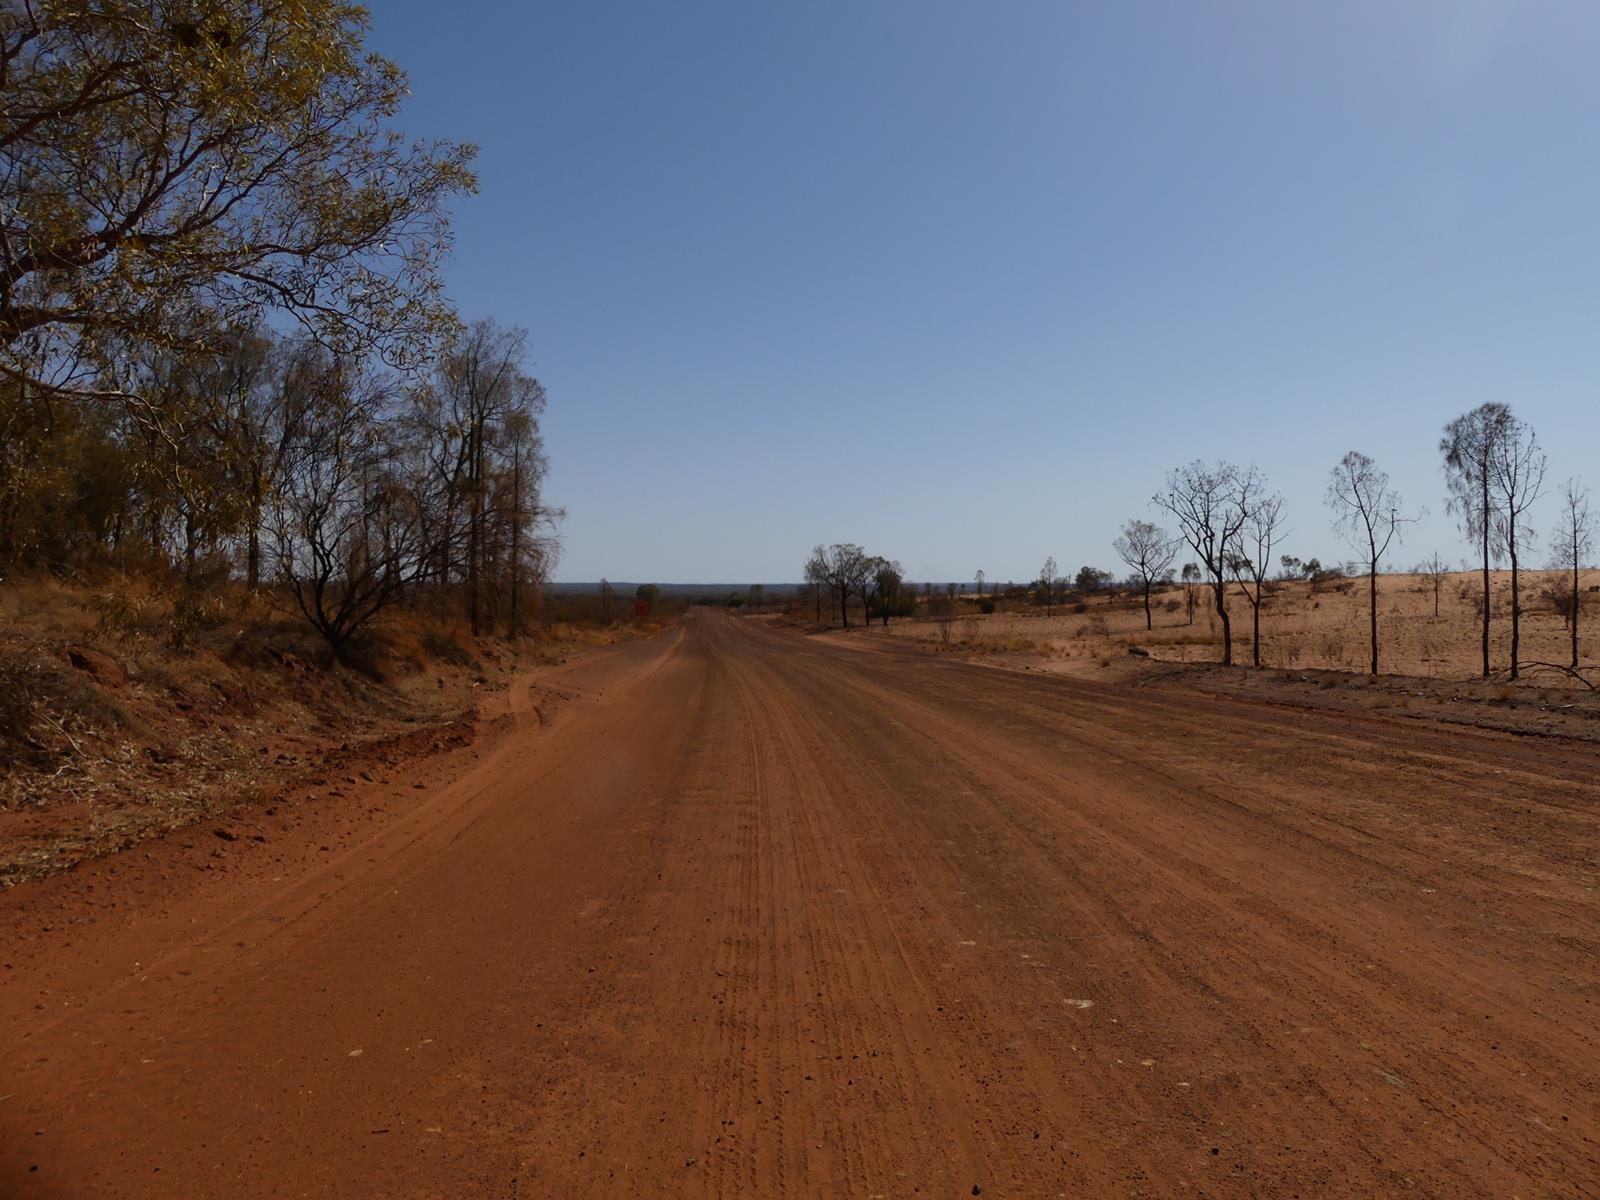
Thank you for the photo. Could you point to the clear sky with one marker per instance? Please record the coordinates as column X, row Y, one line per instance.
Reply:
column 960, row 281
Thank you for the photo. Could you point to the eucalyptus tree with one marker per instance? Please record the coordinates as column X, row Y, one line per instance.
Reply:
column 347, row 535
column 1517, row 469
column 1191, row 578
column 1469, row 448
column 1149, row 553
column 1250, row 559
column 172, row 172
column 889, row 578
column 843, row 568
column 477, row 423
column 1435, row 568
column 1210, row 503
column 1367, row 515
column 1571, row 544
column 815, row 574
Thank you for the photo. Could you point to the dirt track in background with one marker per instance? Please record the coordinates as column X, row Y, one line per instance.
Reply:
column 754, row 915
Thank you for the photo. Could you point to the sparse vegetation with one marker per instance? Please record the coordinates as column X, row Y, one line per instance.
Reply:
column 1211, row 504
column 1149, row 553
column 1250, row 559
column 1469, row 447
column 1367, row 513
column 1571, row 542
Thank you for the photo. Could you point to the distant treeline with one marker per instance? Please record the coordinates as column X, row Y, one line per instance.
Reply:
column 1233, row 525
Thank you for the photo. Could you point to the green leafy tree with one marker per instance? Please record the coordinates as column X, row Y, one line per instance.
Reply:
column 888, row 577
column 1091, row 579
column 174, row 171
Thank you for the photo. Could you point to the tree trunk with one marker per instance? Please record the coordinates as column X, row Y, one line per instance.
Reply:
column 189, row 545
column 252, row 567
column 844, row 607
column 1486, row 597
column 1575, row 601
column 1220, row 588
column 1255, row 627
column 516, row 539
column 1149, row 624
column 475, row 532
column 1516, row 600
column 819, row 603
column 1372, row 599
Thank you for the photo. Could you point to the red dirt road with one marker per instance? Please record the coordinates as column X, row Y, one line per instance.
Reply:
column 755, row 915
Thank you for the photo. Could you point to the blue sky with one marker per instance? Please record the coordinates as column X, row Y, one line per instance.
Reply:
column 961, row 281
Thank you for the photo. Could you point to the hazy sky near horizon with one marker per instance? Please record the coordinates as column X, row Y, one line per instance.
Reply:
column 960, row 282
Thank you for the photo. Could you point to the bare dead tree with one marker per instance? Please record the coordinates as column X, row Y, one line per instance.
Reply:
column 1149, row 553
column 978, row 578
column 1210, row 503
column 1571, row 543
column 1517, row 469
column 1049, row 580
column 347, row 535
column 1191, row 579
column 1250, row 559
column 1435, row 568
column 1367, row 514
column 1469, row 448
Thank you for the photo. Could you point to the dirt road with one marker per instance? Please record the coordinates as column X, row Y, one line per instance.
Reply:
column 755, row 915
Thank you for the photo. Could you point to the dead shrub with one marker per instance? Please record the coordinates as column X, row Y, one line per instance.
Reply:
column 366, row 653
column 451, row 645
column 1561, row 601
column 125, row 613
column 46, row 708
column 194, row 612
column 1333, row 648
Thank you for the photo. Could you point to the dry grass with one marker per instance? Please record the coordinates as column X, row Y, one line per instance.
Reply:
column 126, row 711
column 1301, row 628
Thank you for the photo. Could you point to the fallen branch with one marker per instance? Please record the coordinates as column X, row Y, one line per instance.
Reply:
column 1569, row 672
column 62, row 729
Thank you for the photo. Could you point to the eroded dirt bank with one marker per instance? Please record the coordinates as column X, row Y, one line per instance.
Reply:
column 755, row 915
